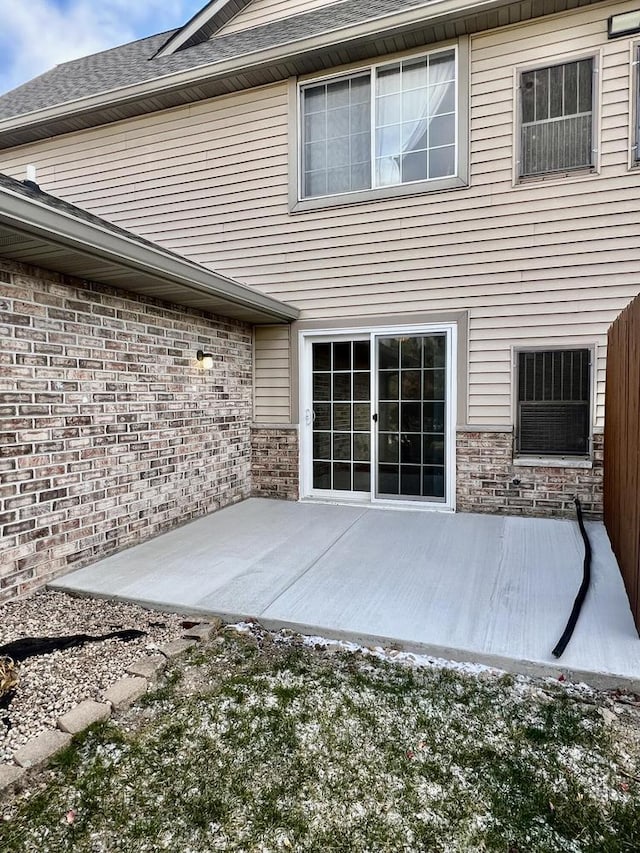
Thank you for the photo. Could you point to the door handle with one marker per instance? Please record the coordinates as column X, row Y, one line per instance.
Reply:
column 309, row 416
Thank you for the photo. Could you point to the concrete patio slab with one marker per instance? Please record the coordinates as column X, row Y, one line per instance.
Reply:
column 489, row 589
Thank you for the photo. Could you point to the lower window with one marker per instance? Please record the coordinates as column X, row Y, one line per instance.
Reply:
column 554, row 402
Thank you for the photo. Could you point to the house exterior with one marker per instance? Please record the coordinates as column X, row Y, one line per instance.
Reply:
column 445, row 193
column 114, row 425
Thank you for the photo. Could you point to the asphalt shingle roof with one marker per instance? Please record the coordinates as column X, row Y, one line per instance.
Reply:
column 77, row 212
column 135, row 62
column 186, row 275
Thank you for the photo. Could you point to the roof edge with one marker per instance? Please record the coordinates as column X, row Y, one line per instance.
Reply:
column 35, row 217
column 428, row 10
column 202, row 25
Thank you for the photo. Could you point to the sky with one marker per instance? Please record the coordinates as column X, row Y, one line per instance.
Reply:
column 37, row 34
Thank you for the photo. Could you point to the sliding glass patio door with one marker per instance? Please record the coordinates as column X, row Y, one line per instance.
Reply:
column 341, row 419
column 411, row 420
column 376, row 416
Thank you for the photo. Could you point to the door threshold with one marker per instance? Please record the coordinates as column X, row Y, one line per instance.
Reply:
column 399, row 506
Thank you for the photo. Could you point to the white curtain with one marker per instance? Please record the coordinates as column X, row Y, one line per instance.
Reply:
column 389, row 143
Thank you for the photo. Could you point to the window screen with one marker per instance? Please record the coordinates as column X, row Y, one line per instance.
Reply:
column 557, row 118
column 553, row 402
column 336, row 143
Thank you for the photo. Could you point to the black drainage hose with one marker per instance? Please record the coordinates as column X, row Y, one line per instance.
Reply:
column 582, row 592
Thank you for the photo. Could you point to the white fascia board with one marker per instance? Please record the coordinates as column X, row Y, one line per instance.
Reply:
column 191, row 28
column 61, row 228
column 436, row 9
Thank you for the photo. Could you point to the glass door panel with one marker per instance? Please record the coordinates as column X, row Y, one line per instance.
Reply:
column 341, row 407
column 411, row 437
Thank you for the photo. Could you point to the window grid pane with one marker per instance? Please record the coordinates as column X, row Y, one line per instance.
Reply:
column 336, row 139
column 341, row 416
column 557, row 118
column 554, row 402
column 411, row 427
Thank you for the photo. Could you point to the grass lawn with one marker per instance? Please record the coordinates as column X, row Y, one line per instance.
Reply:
column 261, row 743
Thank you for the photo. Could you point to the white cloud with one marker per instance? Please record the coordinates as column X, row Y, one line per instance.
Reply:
column 38, row 34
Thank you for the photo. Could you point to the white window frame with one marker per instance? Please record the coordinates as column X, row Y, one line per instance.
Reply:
column 579, row 173
column 298, row 203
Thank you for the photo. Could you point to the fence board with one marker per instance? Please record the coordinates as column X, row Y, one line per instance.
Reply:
column 622, row 449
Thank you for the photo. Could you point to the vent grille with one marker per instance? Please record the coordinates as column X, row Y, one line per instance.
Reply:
column 556, row 146
column 557, row 118
column 554, row 428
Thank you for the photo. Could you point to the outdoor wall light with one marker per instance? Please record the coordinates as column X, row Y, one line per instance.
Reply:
column 623, row 25
column 205, row 358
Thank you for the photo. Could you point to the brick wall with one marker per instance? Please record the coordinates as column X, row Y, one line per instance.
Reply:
column 489, row 481
column 274, row 461
column 110, row 431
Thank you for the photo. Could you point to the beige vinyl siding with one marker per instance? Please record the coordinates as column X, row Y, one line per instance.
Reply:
column 272, row 375
column 264, row 11
column 543, row 264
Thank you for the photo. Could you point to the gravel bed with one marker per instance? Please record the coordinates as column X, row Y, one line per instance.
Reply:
column 50, row 685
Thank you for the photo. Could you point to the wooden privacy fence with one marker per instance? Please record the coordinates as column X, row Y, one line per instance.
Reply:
column 622, row 449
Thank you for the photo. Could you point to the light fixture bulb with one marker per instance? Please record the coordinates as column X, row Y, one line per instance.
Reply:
column 205, row 359
column 625, row 24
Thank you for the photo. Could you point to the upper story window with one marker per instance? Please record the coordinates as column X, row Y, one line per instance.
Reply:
column 557, row 118
column 636, row 112
column 384, row 126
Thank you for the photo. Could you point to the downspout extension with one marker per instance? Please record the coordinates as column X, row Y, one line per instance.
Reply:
column 582, row 592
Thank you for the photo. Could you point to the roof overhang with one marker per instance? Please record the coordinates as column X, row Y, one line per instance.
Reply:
column 422, row 24
column 32, row 232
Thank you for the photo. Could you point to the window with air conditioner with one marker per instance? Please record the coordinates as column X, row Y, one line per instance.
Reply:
column 557, row 119
column 554, row 402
